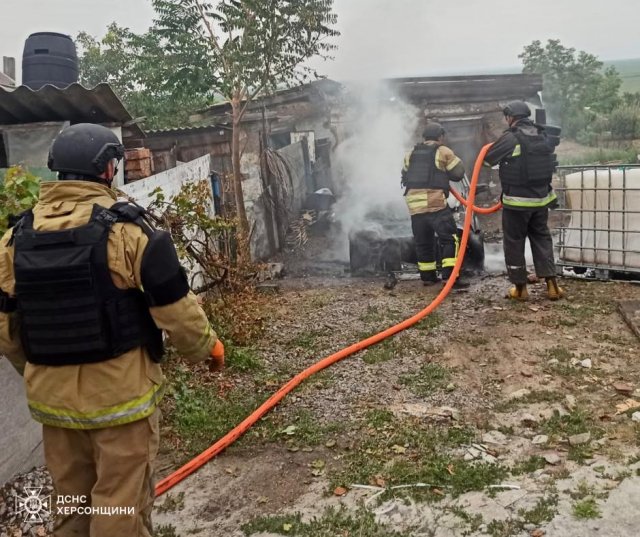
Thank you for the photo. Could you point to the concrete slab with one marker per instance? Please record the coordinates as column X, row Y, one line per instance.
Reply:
column 21, row 437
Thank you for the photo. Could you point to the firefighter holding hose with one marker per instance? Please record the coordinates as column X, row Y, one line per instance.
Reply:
column 87, row 287
column 527, row 161
column 425, row 176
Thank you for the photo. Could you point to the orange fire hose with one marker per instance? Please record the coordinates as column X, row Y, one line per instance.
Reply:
column 249, row 421
column 476, row 209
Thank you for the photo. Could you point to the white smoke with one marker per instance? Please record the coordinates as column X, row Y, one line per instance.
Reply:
column 367, row 163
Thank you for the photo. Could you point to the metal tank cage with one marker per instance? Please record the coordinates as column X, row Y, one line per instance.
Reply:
column 593, row 239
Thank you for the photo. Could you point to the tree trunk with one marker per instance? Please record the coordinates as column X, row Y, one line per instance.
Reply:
column 243, row 222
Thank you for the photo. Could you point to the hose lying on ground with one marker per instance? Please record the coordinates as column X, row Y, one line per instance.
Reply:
column 235, row 433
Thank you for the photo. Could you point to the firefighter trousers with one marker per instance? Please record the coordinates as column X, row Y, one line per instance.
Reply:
column 107, row 473
column 517, row 226
column 425, row 227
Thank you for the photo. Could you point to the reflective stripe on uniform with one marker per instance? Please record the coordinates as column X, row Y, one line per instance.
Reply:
column 199, row 347
column 453, row 164
column 448, row 262
column 416, row 202
column 515, row 201
column 426, row 267
column 517, row 151
column 134, row 410
column 407, row 160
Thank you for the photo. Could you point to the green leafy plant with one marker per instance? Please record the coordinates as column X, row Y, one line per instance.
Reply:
column 18, row 192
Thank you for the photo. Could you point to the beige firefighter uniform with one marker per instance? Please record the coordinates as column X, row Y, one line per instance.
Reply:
column 429, row 200
column 100, row 420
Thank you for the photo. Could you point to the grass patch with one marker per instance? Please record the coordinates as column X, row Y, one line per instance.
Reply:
column 243, row 359
column 613, row 339
column 320, row 301
column 408, row 451
column 306, row 340
column 165, row 530
column 198, row 416
column 430, row 322
column 429, row 379
column 473, row 522
column 171, row 503
column 333, row 522
column 379, row 418
column 576, row 422
column 376, row 314
column 560, row 353
column 382, row 352
column 586, row 509
column 563, row 365
column 529, row 466
column 300, row 429
column 476, row 340
column 544, row 511
column 504, row 528
column 541, row 396
column 602, row 156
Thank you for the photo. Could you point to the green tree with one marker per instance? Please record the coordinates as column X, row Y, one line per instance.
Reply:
column 576, row 88
column 150, row 79
column 251, row 47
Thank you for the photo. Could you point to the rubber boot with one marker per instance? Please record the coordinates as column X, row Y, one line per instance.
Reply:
column 430, row 278
column 518, row 292
column 554, row 291
column 461, row 284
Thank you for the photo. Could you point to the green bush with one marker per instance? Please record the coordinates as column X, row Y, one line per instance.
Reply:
column 624, row 122
column 18, row 192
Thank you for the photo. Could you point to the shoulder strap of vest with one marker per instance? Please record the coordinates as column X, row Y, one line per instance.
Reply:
column 134, row 213
column 23, row 221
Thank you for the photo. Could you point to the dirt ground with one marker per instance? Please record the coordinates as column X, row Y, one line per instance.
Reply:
column 489, row 417
column 522, row 378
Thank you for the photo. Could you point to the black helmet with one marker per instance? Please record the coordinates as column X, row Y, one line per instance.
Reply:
column 432, row 131
column 84, row 149
column 517, row 109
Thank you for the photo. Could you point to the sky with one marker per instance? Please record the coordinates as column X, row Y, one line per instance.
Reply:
column 386, row 38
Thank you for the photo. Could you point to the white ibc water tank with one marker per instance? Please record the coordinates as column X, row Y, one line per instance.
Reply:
column 603, row 231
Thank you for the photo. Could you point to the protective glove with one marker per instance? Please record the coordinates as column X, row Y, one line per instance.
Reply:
column 217, row 357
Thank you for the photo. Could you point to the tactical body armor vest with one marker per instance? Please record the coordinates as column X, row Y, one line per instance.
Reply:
column 535, row 164
column 423, row 172
column 70, row 310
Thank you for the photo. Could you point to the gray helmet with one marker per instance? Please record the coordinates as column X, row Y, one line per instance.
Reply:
column 517, row 109
column 84, row 149
column 432, row 131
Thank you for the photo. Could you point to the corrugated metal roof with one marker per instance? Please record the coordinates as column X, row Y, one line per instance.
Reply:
column 188, row 130
column 74, row 103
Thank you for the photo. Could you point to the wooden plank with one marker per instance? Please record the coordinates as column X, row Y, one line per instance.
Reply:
column 630, row 311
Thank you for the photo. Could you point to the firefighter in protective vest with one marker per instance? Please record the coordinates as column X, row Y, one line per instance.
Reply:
column 425, row 176
column 87, row 287
column 527, row 161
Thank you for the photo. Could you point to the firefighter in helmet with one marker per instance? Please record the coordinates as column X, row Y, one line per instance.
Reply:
column 527, row 161
column 87, row 287
column 425, row 176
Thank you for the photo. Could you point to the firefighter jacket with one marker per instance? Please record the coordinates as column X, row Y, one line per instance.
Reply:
column 426, row 174
column 527, row 163
column 114, row 391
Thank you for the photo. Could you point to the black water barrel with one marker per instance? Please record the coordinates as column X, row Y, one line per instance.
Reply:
column 49, row 58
